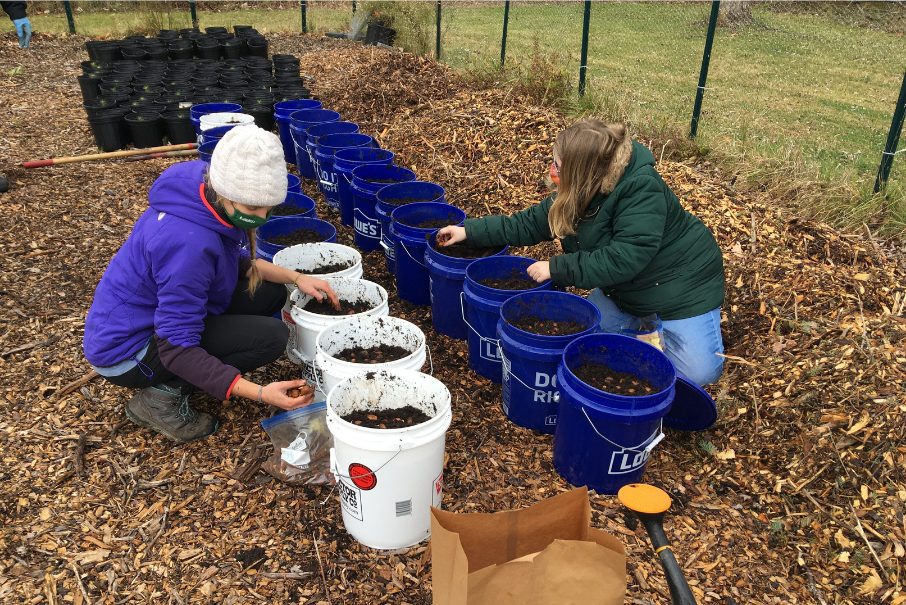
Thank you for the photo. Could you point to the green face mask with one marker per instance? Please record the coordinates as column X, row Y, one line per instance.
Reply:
column 247, row 221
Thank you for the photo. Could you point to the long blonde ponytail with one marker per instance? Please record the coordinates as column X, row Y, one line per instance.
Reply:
column 215, row 201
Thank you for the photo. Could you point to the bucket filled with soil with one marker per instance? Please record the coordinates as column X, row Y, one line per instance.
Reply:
column 281, row 232
column 446, row 275
column 357, row 297
column 367, row 180
column 389, row 478
column 391, row 197
column 367, row 343
column 296, row 204
column 344, row 162
column 615, row 391
column 323, row 158
column 533, row 330
column 300, row 121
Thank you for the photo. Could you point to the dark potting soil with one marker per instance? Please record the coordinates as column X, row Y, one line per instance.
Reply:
column 434, row 223
column 376, row 354
column 300, row 236
column 548, row 327
column 508, row 283
column 603, row 378
column 286, row 210
column 462, row 250
column 385, row 181
column 347, row 307
column 325, row 269
column 400, row 201
column 388, row 419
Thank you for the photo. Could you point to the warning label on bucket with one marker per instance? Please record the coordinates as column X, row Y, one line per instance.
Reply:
column 437, row 491
column 350, row 499
column 362, row 476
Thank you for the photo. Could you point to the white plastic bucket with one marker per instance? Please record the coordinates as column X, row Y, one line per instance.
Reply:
column 367, row 332
column 308, row 257
column 213, row 120
column 309, row 324
column 388, row 479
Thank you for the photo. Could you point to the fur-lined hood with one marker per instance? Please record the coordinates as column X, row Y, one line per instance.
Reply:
column 617, row 166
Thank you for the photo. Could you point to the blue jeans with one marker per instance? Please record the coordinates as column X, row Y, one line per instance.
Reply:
column 692, row 344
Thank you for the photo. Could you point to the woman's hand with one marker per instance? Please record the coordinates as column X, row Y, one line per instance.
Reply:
column 540, row 271
column 316, row 288
column 275, row 394
column 451, row 234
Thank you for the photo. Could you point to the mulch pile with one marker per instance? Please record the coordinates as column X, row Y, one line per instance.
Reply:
column 795, row 495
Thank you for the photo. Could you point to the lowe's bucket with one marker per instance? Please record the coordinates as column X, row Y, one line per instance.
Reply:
column 446, row 276
column 306, row 258
column 282, row 111
column 367, row 332
column 319, row 130
column 293, row 184
column 344, row 162
column 603, row 440
column 388, row 479
column 367, row 180
column 410, row 242
column 309, row 325
column 481, row 309
column 530, row 396
column 299, row 123
column 325, row 148
column 415, row 191
column 281, row 225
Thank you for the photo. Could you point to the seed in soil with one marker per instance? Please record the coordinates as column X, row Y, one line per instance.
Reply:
column 401, row 201
column 347, row 307
column 377, row 354
column 463, row 250
column 299, row 236
column 303, row 391
column 547, row 327
column 325, row 269
column 603, row 378
column 388, row 419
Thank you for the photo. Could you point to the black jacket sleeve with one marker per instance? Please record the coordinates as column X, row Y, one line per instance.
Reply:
column 15, row 10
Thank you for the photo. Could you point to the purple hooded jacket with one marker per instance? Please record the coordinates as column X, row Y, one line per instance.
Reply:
column 180, row 264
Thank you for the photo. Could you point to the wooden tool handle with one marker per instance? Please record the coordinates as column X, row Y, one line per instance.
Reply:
column 104, row 156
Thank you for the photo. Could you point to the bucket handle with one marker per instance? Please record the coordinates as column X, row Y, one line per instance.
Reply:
column 430, row 357
column 556, row 397
column 410, row 255
column 655, row 438
column 462, row 308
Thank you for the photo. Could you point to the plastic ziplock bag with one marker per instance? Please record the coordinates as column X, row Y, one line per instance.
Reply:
column 648, row 329
column 302, row 445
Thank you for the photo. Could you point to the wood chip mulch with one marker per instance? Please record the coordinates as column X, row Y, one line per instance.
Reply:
column 796, row 495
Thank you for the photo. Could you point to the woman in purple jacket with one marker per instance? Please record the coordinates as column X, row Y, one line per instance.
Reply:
column 182, row 306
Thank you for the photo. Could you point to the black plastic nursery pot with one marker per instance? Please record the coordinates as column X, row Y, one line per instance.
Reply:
column 105, row 126
column 231, row 49
column 89, row 86
column 98, row 104
column 179, row 127
column 263, row 114
column 146, row 128
column 209, row 51
column 258, row 46
column 107, row 52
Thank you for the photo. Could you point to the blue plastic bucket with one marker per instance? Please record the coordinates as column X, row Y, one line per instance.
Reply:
column 206, row 149
column 319, row 130
column 196, row 111
column 293, row 184
column 446, row 275
column 305, row 204
column 300, row 121
column 282, row 111
column 409, row 244
column 603, row 440
column 530, row 396
column 326, row 147
column 281, row 225
column 364, row 189
column 420, row 191
column 481, row 309
column 344, row 162
column 215, row 134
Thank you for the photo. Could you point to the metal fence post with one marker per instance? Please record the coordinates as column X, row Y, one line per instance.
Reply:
column 353, row 6
column 194, row 13
column 304, row 20
column 437, row 52
column 583, row 62
column 703, row 74
column 893, row 139
column 68, row 8
column 506, row 20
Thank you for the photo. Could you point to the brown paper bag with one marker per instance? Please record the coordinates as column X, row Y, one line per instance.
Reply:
column 474, row 556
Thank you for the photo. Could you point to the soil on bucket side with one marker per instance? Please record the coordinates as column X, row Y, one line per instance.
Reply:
column 388, row 419
column 434, row 223
column 299, row 236
column 547, row 327
column 603, row 378
column 377, row 354
column 347, row 307
column 462, row 250
column 401, row 201
column 325, row 269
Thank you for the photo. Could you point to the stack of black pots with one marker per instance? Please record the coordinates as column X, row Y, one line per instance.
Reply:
column 139, row 90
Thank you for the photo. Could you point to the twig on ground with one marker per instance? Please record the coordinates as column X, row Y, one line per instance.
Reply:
column 811, row 579
column 871, row 548
column 66, row 390
column 75, row 570
column 79, row 455
column 321, row 565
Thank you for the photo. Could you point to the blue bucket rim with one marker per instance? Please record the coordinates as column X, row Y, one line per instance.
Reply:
column 282, row 106
column 298, row 195
column 451, row 267
column 320, row 147
column 324, row 125
column 355, row 150
column 417, row 184
column 295, row 119
column 304, row 224
column 373, row 167
column 406, row 209
column 509, row 303
column 630, row 415
column 482, row 289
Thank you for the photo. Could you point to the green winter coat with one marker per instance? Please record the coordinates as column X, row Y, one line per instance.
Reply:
column 637, row 244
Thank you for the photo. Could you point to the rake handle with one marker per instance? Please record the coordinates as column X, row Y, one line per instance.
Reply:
column 108, row 155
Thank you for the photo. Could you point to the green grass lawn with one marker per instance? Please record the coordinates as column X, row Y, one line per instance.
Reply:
column 793, row 100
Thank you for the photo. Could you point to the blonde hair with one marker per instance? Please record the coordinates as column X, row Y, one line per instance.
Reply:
column 216, row 201
column 586, row 151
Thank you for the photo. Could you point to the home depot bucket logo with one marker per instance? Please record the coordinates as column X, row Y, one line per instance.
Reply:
column 362, row 476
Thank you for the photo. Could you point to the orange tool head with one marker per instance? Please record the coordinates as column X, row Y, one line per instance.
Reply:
column 642, row 498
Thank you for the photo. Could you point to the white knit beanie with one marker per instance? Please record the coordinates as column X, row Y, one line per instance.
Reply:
column 248, row 167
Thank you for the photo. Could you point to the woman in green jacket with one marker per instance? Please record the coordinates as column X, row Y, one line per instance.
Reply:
column 624, row 236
